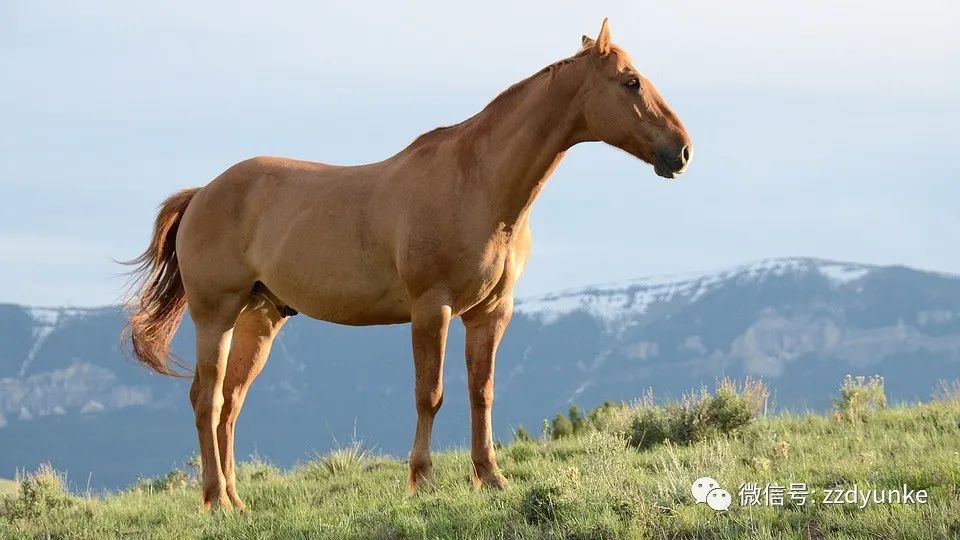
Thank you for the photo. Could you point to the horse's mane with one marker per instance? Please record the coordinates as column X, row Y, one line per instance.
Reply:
column 502, row 101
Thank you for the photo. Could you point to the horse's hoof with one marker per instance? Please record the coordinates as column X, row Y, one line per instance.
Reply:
column 489, row 477
column 418, row 478
column 497, row 482
column 214, row 504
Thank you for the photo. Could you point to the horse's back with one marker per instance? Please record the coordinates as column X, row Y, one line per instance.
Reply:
column 276, row 164
column 313, row 233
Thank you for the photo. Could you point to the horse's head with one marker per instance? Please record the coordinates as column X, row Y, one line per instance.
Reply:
column 624, row 109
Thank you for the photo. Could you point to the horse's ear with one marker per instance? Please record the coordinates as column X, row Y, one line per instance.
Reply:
column 603, row 43
column 586, row 42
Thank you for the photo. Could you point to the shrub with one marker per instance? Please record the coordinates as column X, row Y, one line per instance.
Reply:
column 522, row 451
column 651, row 425
column 522, row 435
column 39, row 493
column 256, row 470
column 577, row 420
column 175, row 480
column 611, row 418
column 699, row 416
column 728, row 409
column 606, row 417
column 542, row 503
column 860, row 397
column 560, row 427
column 346, row 460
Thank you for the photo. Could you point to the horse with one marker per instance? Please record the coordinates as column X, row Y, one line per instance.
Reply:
column 439, row 230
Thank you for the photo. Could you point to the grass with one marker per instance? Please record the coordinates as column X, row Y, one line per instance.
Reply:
column 589, row 485
column 7, row 486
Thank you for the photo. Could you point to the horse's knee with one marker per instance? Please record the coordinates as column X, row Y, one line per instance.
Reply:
column 429, row 402
column 481, row 396
column 207, row 409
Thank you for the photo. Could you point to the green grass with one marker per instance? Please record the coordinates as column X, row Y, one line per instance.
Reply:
column 585, row 486
column 7, row 486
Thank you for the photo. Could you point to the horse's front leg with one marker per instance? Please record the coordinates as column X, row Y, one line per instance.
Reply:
column 430, row 320
column 484, row 331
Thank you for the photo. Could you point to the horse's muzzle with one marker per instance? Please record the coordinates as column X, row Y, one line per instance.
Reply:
column 671, row 164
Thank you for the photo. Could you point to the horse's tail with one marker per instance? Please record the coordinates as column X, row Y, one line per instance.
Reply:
column 159, row 306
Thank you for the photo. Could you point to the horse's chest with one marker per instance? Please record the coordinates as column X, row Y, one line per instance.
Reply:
column 468, row 268
column 482, row 277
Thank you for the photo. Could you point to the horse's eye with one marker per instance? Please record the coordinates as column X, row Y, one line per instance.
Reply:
column 632, row 84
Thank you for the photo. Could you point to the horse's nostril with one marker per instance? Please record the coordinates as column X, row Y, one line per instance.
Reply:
column 685, row 154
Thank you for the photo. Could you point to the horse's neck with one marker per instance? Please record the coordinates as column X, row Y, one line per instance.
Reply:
column 516, row 151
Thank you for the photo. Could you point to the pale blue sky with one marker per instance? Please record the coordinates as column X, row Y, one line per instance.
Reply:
column 820, row 128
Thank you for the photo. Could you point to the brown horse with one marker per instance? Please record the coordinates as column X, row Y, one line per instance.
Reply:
column 440, row 230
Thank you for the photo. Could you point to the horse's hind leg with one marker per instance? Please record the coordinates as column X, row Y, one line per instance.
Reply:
column 252, row 338
column 214, row 321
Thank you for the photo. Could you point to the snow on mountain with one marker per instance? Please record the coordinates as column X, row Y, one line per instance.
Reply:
column 615, row 302
column 45, row 321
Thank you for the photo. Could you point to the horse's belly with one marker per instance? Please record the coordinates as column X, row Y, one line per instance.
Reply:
column 351, row 300
column 354, row 294
column 355, row 309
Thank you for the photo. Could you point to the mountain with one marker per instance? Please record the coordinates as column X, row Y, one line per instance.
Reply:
column 68, row 394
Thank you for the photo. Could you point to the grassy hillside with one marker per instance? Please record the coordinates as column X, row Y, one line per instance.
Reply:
column 595, row 482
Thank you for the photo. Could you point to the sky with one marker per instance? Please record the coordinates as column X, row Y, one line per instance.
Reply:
column 820, row 128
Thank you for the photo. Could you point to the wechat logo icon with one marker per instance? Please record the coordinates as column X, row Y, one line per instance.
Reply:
column 707, row 490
